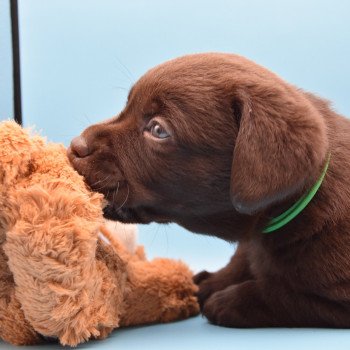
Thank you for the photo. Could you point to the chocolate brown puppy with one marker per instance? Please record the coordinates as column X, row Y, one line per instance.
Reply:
column 220, row 145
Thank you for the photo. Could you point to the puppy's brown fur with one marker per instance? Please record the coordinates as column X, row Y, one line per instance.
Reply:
column 244, row 145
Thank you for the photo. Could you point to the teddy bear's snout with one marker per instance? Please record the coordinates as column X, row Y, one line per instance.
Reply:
column 79, row 147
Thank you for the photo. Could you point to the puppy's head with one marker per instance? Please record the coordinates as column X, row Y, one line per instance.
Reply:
column 202, row 135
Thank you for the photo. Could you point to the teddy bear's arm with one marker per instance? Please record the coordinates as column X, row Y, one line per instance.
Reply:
column 62, row 288
column 14, row 328
column 160, row 290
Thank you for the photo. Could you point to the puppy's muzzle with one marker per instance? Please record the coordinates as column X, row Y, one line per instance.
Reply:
column 79, row 147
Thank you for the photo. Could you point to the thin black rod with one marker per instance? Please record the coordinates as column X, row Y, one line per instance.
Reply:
column 16, row 62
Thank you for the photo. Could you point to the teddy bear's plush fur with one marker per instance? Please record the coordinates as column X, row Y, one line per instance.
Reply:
column 58, row 278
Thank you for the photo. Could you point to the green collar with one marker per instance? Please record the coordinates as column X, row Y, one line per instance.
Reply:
column 283, row 219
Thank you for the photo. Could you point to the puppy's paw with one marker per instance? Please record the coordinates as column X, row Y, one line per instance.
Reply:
column 201, row 276
column 239, row 305
column 218, row 311
column 206, row 287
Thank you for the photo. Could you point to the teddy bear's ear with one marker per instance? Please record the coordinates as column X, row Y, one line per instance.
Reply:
column 14, row 141
column 15, row 152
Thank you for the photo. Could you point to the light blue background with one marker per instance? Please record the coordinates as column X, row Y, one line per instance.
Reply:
column 80, row 57
column 6, row 87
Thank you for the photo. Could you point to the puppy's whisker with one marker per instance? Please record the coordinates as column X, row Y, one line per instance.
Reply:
column 100, row 182
column 87, row 118
column 120, row 88
column 81, row 122
column 155, row 234
column 98, row 172
column 167, row 239
column 200, row 218
column 95, row 175
column 126, row 198
column 126, row 72
column 115, row 192
column 113, row 198
column 100, row 188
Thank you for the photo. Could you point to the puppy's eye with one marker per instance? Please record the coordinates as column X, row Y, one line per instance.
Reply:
column 157, row 130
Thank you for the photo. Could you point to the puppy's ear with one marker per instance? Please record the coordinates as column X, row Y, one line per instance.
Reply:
column 280, row 148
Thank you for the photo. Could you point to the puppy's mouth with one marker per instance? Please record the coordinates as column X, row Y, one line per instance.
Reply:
column 123, row 214
column 118, row 206
column 118, row 195
column 133, row 215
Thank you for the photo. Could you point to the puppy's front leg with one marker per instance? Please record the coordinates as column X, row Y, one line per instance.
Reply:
column 239, row 305
column 273, row 304
column 236, row 271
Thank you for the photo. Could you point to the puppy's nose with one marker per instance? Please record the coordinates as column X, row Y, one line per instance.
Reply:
column 79, row 147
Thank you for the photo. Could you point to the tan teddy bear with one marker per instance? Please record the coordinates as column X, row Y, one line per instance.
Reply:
column 58, row 277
